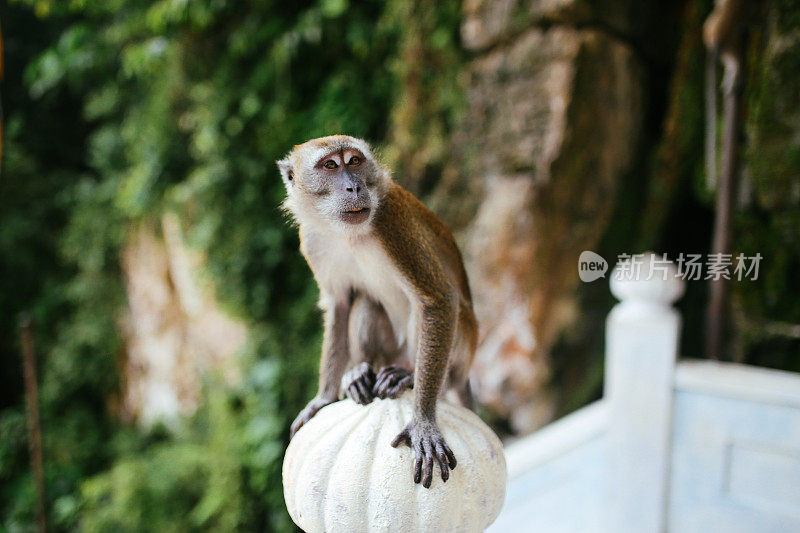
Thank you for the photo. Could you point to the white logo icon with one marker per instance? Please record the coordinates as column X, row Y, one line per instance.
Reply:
column 591, row 266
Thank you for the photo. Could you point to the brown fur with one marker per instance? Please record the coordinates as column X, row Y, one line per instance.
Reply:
column 382, row 261
column 423, row 251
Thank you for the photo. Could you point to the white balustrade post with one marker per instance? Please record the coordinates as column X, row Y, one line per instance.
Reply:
column 642, row 333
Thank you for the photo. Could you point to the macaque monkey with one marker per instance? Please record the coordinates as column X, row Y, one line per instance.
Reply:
column 392, row 287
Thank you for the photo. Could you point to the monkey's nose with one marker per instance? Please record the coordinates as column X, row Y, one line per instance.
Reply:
column 357, row 189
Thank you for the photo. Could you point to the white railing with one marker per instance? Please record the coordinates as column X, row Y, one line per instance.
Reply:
column 642, row 335
column 690, row 446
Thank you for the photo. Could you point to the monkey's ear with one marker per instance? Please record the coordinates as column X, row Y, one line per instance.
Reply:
column 287, row 172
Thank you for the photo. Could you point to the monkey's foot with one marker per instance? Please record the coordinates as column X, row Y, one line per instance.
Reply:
column 359, row 381
column 308, row 413
column 392, row 381
column 424, row 437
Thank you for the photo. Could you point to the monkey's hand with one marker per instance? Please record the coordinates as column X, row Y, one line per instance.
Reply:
column 424, row 437
column 358, row 382
column 392, row 381
column 308, row 413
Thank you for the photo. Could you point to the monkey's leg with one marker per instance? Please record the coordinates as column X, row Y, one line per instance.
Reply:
column 463, row 354
column 371, row 337
column 332, row 365
column 372, row 344
column 465, row 395
column 392, row 381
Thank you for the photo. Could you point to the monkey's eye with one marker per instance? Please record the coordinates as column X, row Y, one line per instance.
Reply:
column 330, row 164
column 355, row 160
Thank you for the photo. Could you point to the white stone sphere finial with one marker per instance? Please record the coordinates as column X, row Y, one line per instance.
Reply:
column 647, row 279
column 340, row 473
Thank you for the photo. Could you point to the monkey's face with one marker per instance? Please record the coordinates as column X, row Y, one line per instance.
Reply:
column 335, row 182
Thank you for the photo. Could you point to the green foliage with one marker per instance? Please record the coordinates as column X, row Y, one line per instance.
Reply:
column 129, row 109
column 217, row 475
column 770, row 224
column 77, row 345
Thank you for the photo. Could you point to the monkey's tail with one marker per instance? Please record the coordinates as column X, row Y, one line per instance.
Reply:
column 711, row 119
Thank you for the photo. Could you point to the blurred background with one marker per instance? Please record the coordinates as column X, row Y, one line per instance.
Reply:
column 174, row 322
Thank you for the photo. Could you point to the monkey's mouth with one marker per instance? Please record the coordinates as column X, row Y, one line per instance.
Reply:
column 356, row 215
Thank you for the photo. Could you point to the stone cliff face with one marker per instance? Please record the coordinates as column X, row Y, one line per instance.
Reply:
column 175, row 332
column 554, row 106
column 559, row 105
column 559, row 95
column 555, row 110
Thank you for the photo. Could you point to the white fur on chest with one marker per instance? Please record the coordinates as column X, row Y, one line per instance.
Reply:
column 360, row 262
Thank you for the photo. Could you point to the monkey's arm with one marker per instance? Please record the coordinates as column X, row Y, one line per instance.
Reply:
column 437, row 328
column 333, row 363
column 412, row 236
